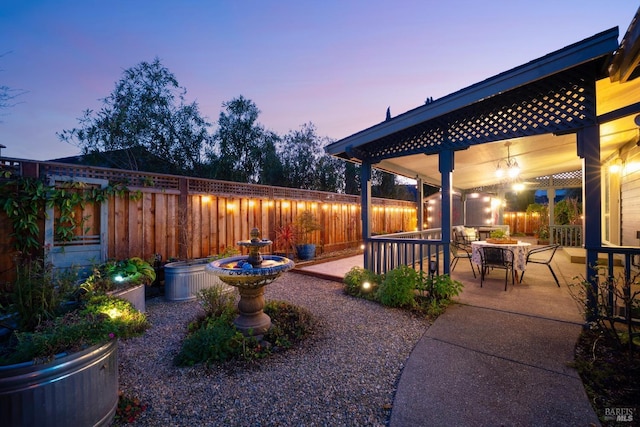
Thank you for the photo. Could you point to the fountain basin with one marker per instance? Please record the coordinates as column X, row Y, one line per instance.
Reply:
column 249, row 277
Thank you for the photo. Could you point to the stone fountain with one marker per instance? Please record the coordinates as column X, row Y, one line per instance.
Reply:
column 250, row 274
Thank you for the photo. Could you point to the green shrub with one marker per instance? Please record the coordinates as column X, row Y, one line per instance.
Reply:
column 289, row 323
column 354, row 279
column 398, row 287
column 216, row 299
column 439, row 287
column 214, row 339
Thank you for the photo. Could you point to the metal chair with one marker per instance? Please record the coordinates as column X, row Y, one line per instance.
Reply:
column 543, row 255
column 458, row 251
column 494, row 257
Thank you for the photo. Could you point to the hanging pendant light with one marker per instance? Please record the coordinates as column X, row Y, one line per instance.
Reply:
column 509, row 168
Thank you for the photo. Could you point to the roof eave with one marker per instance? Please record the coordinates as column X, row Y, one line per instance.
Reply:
column 594, row 47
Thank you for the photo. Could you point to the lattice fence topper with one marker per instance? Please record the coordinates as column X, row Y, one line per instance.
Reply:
column 560, row 103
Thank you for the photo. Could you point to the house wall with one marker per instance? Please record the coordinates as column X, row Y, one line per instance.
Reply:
column 630, row 199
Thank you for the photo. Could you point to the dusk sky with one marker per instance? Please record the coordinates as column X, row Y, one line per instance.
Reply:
column 338, row 64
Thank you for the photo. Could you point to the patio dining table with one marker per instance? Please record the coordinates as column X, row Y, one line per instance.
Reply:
column 520, row 251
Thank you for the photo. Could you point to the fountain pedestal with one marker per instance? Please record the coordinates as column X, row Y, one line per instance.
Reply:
column 251, row 320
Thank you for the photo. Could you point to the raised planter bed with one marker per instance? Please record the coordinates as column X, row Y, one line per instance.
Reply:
column 184, row 279
column 79, row 389
column 134, row 295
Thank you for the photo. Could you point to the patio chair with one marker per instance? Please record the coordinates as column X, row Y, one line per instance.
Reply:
column 494, row 257
column 464, row 236
column 543, row 255
column 457, row 252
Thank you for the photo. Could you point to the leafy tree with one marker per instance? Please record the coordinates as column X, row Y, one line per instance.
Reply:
column 271, row 172
column 300, row 152
column 242, row 144
column 145, row 117
column 351, row 178
column 329, row 174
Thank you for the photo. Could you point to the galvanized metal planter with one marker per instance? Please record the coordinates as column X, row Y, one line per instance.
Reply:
column 184, row 279
column 134, row 295
column 80, row 389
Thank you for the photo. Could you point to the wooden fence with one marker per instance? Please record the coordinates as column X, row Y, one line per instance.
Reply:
column 182, row 217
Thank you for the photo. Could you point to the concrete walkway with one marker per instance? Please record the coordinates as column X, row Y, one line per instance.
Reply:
column 497, row 358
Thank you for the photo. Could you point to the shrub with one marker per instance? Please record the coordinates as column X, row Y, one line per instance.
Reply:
column 214, row 339
column 290, row 323
column 397, row 288
column 38, row 292
column 216, row 299
column 354, row 279
column 439, row 287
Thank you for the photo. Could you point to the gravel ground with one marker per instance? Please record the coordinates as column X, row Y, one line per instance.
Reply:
column 344, row 375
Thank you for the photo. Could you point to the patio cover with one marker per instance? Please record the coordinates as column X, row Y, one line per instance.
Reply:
column 539, row 107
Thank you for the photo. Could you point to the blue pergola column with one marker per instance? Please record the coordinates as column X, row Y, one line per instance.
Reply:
column 445, row 167
column 589, row 151
column 420, row 204
column 365, row 184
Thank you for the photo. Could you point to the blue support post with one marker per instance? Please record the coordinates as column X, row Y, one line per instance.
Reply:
column 365, row 183
column 420, row 204
column 589, row 151
column 445, row 166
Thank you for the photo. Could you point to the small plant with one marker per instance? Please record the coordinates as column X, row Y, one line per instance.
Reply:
column 129, row 408
column 114, row 275
column 38, row 293
column 618, row 322
column 439, row 287
column 216, row 300
column 286, row 238
column 306, row 224
column 361, row 283
column 606, row 354
column 398, row 286
column 498, row 234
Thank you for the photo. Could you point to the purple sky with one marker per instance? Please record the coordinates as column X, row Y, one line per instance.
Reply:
column 338, row 64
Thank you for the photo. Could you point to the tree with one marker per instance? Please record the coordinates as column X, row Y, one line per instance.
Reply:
column 351, row 178
column 8, row 94
column 329, row 174
column 242, row 145
column 299, row 152
column 146, row 113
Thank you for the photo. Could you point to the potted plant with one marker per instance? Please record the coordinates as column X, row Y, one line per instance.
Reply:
column 286, row 240
column 306, row 224
column 59, row 338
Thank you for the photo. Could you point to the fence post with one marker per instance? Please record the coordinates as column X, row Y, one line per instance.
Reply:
column 183, row 219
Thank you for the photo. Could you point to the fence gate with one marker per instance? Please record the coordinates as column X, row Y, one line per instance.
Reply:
column 88, row 246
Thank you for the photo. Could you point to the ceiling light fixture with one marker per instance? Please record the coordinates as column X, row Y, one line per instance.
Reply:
column 508, row 168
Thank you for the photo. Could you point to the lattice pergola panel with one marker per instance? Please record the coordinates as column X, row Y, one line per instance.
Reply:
column 560, row 103
column 572, row 179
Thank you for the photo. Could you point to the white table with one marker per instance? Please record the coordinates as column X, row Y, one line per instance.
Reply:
column 520, row 251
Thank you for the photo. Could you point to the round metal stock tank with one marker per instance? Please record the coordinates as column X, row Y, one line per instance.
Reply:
column 183, row 279
column 135, row 296
column 80, row 389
